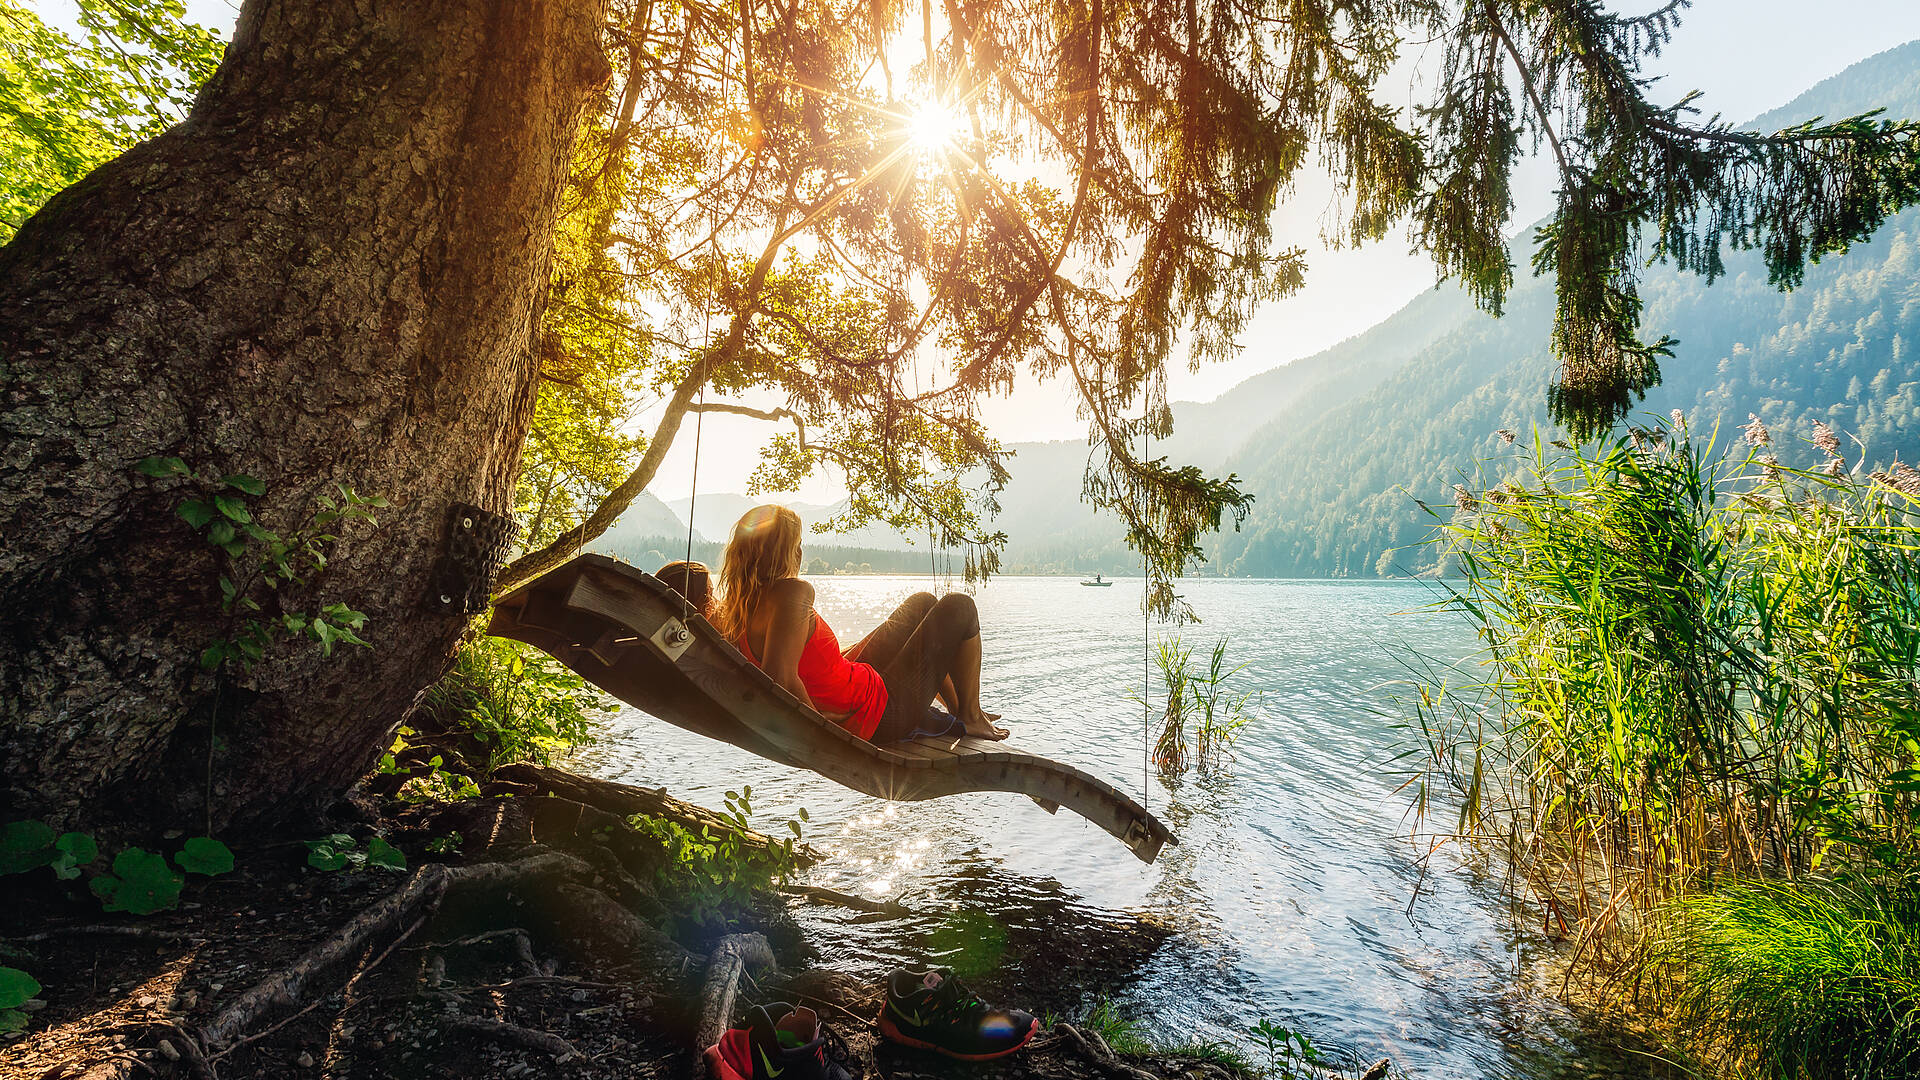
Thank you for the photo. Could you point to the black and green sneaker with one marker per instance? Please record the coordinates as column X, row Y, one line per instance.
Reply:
column 780, row 1042
column 935, row 1011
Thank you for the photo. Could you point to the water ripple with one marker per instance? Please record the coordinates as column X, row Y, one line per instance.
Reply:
column 1288, row 895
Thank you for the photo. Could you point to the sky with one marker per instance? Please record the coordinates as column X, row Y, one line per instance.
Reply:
column 1747, row 56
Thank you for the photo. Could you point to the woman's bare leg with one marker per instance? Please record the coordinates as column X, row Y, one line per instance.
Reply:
column 966, row 685
column 947, row 698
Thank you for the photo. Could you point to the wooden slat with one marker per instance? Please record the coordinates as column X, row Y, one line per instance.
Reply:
column 714, row 691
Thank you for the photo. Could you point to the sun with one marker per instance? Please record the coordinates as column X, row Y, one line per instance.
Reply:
column 934, row 128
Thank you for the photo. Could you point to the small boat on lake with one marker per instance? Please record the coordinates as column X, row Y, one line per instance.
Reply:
column 1098, row 582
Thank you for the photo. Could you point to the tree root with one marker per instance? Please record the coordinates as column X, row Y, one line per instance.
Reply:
column 724, row 968
column 817, row 894
column 613, row 933
column 1095, row 1048
column 512, row 1034
column 140, row 933
column 625, row 800
column 522, row 946
column 414, row 900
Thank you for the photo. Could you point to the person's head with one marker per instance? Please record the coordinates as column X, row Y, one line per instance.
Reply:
column 764, row 549
column 689, row 579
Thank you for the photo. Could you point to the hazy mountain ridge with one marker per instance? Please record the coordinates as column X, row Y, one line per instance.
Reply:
column 1839, row 349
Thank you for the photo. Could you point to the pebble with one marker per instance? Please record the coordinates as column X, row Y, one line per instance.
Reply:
column 167, row 1051
column 145, row 1001
column 305, row 1060
column 33, row 1005
column 216, row 987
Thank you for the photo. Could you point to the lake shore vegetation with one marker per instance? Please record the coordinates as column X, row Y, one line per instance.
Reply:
column 1694, row 732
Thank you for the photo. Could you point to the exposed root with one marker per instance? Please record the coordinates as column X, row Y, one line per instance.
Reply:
column 512, row 1034
column 412, row 902
column 729, row 961
column 817, row 894
column 140, row 933
column 625, row 800
column 1095, row 1048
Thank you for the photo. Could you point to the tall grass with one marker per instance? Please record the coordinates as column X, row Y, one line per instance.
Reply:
column 1808, row 980
column 1199, row 696
column 1700, row 668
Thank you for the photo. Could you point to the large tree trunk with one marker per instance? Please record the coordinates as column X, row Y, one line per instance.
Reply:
column 328, row 274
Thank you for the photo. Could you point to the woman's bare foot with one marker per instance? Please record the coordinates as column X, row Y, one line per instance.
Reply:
column 980, row 725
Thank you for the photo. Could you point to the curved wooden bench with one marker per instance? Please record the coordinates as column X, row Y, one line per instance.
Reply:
column 633, row 636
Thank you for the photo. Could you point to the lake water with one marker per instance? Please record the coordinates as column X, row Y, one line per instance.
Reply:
column 1292, row 893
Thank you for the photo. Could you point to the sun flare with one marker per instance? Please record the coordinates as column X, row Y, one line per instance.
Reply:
column 933, row 128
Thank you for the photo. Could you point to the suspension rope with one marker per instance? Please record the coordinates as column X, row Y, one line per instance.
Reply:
column 706, row 357
column 1146, row 648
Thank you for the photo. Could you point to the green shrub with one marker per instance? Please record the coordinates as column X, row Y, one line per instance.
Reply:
column 1796, row 981
column 522, row 704
column 708, row 880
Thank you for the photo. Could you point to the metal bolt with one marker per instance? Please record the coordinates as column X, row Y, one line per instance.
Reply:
column 466, row 523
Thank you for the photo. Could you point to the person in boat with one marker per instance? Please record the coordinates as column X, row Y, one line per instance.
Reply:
column 881, row 687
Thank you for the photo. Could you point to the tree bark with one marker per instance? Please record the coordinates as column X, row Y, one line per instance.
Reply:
column 330, row 273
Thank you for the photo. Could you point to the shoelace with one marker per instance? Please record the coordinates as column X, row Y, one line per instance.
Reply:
column 961, row 1002
column 839, row 1053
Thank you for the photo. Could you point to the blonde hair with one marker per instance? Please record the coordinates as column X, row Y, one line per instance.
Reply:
column 764, row 549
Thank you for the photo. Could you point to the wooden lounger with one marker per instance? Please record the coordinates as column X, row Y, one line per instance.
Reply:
column 631, row 635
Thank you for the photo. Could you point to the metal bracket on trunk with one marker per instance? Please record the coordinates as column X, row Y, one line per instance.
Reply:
column 463, row 574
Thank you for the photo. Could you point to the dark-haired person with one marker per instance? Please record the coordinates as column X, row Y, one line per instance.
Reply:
column 928, row 647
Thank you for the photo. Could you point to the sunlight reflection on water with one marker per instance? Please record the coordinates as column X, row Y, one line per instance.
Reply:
column 1288, row 895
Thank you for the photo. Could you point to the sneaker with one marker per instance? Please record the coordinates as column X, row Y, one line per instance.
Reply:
column 793, row 1047
column 935, row 1011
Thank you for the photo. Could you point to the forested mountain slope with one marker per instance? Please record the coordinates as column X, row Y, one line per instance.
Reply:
column 1336, row 446
column 1330, row 474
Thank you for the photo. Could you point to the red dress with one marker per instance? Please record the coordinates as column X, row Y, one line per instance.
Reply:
column 837, row 685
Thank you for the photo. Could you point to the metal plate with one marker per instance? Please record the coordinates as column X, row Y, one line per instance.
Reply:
column 672, row 638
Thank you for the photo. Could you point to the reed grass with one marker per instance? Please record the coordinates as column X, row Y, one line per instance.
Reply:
column 1700, row 668
column 1813, row 979
column 1200, row 696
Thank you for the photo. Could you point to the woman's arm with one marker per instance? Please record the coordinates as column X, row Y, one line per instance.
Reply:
column 789, row 626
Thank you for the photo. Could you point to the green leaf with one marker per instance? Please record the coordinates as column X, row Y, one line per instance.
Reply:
column 213, row 656
column 234, row 508
column 24, row 846
column 244, row 483
column 141, row 883
column 204, row 855
column 196, row 512
column 329, row 852
column 12, row 1020
column 162, row 468
column 72, row 851
column 385, row 855
column 16, row 987
column 220, row 534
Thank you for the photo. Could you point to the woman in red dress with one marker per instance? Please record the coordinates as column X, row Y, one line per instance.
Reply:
column 881, row 687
